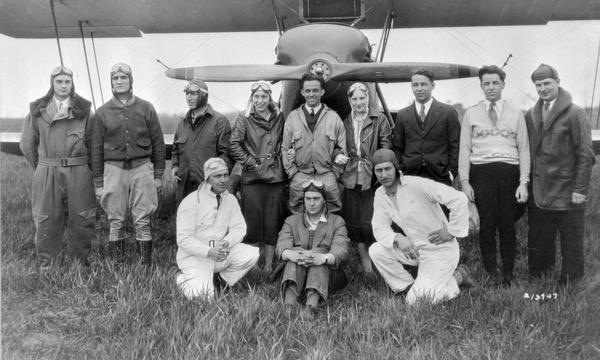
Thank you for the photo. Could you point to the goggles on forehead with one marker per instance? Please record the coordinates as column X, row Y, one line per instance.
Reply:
column 61, row 70
column 194, row 87
column 360, row 86
column 260, row 85
column 120, row 67
column 312, row 182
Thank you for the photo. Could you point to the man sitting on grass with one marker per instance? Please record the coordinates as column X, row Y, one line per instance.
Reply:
column 210, row 228
column 427, row 239
column 313, row 243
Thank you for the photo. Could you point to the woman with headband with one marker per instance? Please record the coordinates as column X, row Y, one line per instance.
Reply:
column 256, row 145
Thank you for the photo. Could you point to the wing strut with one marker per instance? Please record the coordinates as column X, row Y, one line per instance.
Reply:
column 96, row 61
column 87, row 64
column 56, row 31
column 594, row 93
column 385, row 34
column 278, row 20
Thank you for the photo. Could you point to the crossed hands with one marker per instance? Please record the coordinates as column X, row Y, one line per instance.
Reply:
column 219, row 251
column 306, row 258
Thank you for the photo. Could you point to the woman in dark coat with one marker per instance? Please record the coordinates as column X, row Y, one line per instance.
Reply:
column 256, row 146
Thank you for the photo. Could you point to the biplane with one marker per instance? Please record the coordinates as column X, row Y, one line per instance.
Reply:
column 320, row 36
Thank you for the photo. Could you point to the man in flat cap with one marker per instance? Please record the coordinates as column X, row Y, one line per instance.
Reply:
column 561, row 158
column 411, row 229
column 210, row 229
column 202, row 134
column 128, row 160
column 56, row 140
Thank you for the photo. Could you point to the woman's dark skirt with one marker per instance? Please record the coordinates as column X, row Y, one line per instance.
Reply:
column 265, row 209
column 357, row 211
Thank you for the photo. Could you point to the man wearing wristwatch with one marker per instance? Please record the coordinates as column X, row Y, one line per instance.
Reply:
column 493, row 165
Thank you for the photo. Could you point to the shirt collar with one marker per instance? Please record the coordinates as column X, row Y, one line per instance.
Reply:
column 311, row 225
column 358, row 117
column 551, row 104
column 66, row 102
column 427, row 105
column 317, row 108
column 498, row 107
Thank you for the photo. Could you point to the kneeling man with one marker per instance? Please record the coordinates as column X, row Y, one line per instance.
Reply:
column 313, row 243
column 210, row 228
column 411, row 229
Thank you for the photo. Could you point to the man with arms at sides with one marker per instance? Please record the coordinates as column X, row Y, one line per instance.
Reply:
column 366, row 131
column 210, row 229
column 314, row 145
column 256, row 144
column 427, row 133
column 203, row 133
column 428, row 239
column 56, row 141
column 128, row 161
column 494, row 165
column 560, row 142
column 313, row 244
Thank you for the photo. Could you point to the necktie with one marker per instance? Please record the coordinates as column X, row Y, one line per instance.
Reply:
column 422, row 113
column 312, row 111
column 545, row 111
column 218, row 200
column 493, row 114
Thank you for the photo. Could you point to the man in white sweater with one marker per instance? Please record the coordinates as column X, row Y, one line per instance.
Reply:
column 210, row 229
column 411, row 229
column 493, row 164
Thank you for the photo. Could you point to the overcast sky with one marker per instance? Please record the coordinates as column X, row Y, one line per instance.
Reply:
column 571, row 47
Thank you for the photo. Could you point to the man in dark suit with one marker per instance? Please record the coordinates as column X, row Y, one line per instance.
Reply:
column 427, row 133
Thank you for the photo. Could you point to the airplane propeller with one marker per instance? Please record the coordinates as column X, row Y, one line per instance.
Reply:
column 366, row 71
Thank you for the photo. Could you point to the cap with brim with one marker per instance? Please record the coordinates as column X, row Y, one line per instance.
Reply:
column 544, row 71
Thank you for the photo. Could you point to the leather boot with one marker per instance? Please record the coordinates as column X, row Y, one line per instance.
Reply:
column 146, row 252
column 117, row 251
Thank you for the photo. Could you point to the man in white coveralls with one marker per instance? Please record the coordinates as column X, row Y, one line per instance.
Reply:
column 210, row 229
column 411, row 229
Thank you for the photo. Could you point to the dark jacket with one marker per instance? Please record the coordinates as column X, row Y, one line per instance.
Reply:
column 435, row 147
column 561, row 154
column 330, row 237
column 127, row 132
column 194, row 144
column 256, row 144
column 375, row 134
column 43, row 137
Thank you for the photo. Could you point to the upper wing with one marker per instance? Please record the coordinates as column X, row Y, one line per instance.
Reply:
column 118, row 18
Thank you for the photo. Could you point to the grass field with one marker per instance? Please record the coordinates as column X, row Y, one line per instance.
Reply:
column 102, row 313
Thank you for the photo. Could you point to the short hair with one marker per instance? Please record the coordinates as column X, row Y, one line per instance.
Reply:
column 423, row 71
column 491, row 69
column 312, row 77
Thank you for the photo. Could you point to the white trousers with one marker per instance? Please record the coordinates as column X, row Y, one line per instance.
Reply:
column 435, row 281
column 196, row 278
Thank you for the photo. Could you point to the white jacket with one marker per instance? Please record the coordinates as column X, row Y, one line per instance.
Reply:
column 417, row 211
column 199, row 221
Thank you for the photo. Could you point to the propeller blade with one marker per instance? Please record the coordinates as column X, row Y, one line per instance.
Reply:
column 398, row 71
column 238, row 73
